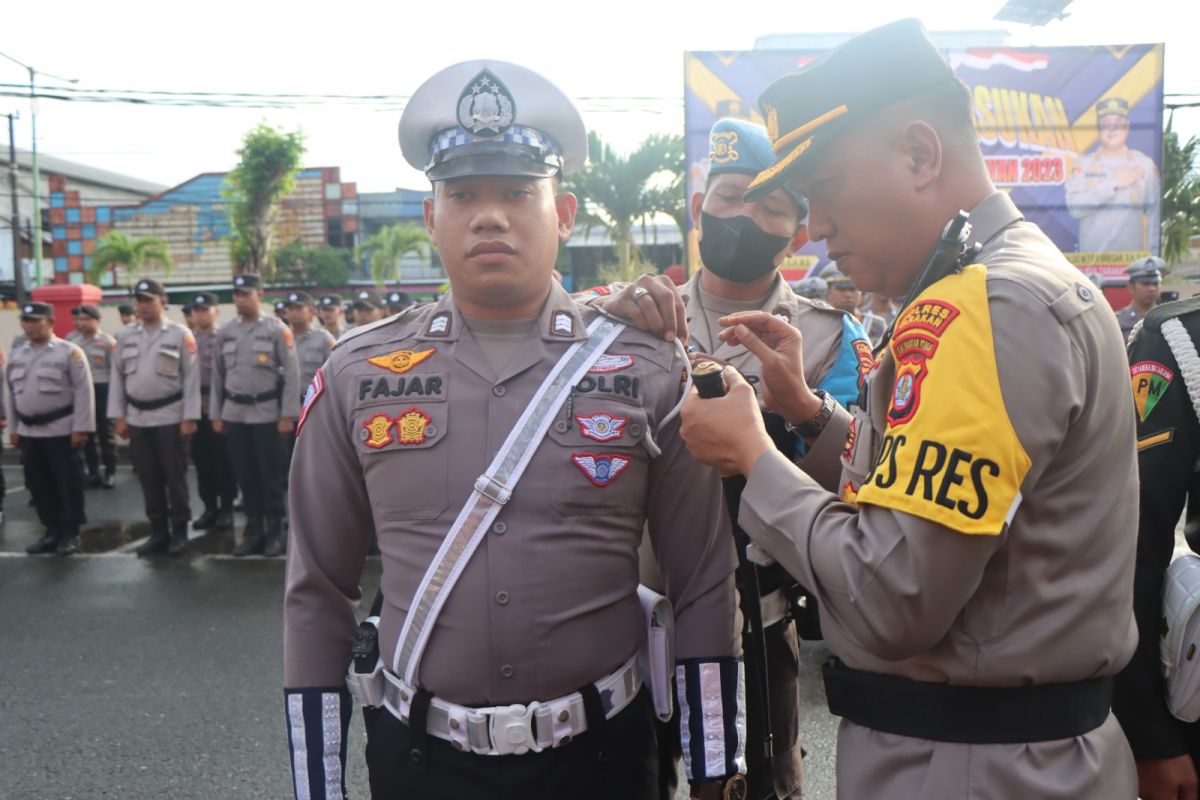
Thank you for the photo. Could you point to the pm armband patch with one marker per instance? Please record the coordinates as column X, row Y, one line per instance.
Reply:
column 950, row 453
column 1150, row 381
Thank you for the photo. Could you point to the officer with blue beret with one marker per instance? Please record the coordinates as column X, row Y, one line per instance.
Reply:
column 509, row 665
column 742, row 245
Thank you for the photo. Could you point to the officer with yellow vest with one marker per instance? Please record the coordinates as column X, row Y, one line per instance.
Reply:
column 975, row 570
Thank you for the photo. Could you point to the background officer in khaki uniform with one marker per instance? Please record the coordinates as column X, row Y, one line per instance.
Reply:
column 1145, row 285
column 255, row 398
column 397, row 429
column 841, row 294
column 98, row 346
column 397, row 301
column 214, row 473
column 154, row 397
column 329, row 309
column 50, row 389
column 741, row 246
column 1168, row 428
column 368, row 307
column 974, row 570
column 313, row 346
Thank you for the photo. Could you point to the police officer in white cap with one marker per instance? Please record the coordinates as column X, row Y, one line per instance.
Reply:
column 510, row 620
column 1145, row 285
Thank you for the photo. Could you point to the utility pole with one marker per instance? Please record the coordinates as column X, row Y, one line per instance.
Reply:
column 15, row 219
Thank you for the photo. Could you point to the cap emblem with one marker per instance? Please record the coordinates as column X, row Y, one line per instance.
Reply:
column 486, row 107
column 724, row 148
column 772, row 122
column 239, row 281
column 27, row 310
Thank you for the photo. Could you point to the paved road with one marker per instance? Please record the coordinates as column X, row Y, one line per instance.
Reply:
column 152, row 678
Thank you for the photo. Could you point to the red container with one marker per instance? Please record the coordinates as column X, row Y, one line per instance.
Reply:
column 64, row 297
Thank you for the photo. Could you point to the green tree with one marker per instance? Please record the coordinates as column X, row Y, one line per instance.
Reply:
column 619, row 192
column 388, row 245
column 324, row 266
column 118, row 250
column 268, row 162
column 1181, row 194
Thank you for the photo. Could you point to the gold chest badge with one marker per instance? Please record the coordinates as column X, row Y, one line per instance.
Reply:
column 411, row 425
column 401, row 361
column 377, row 431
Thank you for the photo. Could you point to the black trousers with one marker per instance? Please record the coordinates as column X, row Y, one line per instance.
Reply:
column 99, row 447
column 160, row 459
column 54, row 475
column 616, row 759
column 254, row 451
column 214, row 473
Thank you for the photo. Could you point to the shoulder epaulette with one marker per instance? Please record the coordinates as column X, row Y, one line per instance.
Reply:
column 1173, row 310
column 354, row 333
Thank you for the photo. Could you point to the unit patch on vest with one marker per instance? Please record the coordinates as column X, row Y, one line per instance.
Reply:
column 263, row 358
column 1150, row 381
column 316, row 388
column 601, row 427
column 611, row 362
column 601, row 470
column 411, row 426
column 401, row 361
column 377, row 431
column 949, row 453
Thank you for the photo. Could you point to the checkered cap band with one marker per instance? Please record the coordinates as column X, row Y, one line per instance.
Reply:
column 518, row 134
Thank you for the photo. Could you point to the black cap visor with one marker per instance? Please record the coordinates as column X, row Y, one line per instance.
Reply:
column 481, row 159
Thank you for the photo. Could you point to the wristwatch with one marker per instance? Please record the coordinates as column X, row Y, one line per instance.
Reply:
column 812, row 428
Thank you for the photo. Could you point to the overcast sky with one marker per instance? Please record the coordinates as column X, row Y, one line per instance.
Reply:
column 599, row 49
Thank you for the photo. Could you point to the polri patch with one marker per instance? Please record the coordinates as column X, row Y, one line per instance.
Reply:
column 611, row 362
column 601, row 470
column 914, row 342
column 1150, row 382
column 316, row 387
column 411, row 426
column 601, row 427
column 401, row 361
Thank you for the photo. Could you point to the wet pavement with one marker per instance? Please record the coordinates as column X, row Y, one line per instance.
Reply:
column 149, row 678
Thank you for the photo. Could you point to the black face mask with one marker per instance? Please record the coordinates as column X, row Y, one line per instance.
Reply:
column 736, row 249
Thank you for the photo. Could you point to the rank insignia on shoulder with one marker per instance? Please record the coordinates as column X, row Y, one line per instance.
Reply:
column 401, row 361
column 563, row 324
column 412, row 426
column 439, row 325
column 1150, row 381
column 601, row 470
column 601, row 427
column 377, row 431
column 611, row 362
column 315, row 389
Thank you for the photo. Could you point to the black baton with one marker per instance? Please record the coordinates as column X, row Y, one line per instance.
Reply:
column 709, row 381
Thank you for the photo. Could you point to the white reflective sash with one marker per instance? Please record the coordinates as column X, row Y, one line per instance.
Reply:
column 492, row 490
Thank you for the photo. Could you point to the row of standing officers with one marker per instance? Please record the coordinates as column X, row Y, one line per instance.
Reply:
column 233, row 391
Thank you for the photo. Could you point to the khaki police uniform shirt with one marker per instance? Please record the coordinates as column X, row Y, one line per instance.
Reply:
column 548, row 602
column 99, row 351
column 1115, row 219
column 255, row 358
column 206, row 351
column 1048, row 600
column 3, row 391
column 1127, row 317
column 312, row 348
column 46, row 378
column 153, row 363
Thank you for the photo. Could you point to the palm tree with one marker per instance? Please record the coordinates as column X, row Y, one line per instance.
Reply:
column 1181, row 194
column 619, row 192
column 117, row 249
column 390, row 244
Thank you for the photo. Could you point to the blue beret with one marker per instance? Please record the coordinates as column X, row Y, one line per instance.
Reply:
column 741, row 146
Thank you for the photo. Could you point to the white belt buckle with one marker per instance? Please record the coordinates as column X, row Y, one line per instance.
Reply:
column 511, row 729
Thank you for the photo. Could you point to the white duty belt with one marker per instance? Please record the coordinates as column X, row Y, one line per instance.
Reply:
column 492, row 490
column 514, row 729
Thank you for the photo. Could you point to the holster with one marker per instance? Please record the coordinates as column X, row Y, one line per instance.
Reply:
column 367, row 687
column 1179, row 647
column 656, row 656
